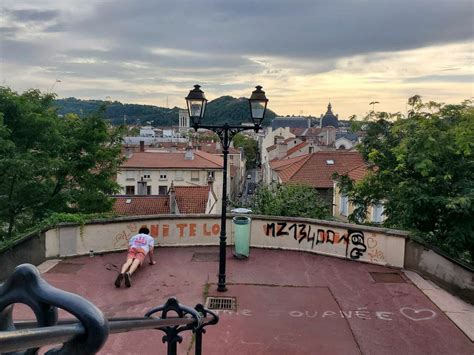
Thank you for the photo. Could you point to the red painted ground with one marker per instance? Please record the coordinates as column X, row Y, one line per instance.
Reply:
column 287, row 303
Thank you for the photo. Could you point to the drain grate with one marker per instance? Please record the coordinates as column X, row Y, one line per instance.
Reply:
column 205, row 257
column 221, row 303
column 388, row 277
column 66, row 268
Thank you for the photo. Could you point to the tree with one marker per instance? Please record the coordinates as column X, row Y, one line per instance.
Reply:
column 52, row 164
column 424, row 173
column 250, row 147
column 294, row 200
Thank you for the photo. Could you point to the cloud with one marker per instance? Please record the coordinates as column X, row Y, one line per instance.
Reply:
column 32, row 15
column 303, row 51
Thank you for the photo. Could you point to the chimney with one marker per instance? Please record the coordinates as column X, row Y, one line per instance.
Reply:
column 173, row 204
column 189, row 155
column 142, row 146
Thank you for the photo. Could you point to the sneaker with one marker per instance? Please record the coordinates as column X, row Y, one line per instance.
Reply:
column 118, row 280
column 128, row 281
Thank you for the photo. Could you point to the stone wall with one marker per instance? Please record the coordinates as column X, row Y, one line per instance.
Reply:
column 361, row 243
column 31, row 249
column 444, row 271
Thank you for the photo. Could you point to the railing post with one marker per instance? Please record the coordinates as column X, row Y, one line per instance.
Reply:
column 172, row 336
column 199, row 331
column 26, row 286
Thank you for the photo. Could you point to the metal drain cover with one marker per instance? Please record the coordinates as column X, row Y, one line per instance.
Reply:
column 221, row 303
column 389, row 277
column 205, row 257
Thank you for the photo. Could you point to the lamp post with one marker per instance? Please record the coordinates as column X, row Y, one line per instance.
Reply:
column 196, row 102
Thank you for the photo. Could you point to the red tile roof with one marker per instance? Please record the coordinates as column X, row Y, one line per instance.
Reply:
column 358, row 173
column 141, row 205
column 316, row 170
column 279, row 165
column 192, row 199
column 272, row 147
column 165, row 160
column 296, row 148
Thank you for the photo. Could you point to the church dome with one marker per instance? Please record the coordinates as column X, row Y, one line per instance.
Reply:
column 329, row 119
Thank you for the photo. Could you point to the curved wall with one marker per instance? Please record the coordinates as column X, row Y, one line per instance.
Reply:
column 374, row 245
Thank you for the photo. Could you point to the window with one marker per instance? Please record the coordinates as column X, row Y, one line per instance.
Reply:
column 194, row 175
column 211, row 174
column 330, row 162
column 146, row 175
column 343, row 205
column 129, row 175
column 163, row 175
column 179, row 175
column 148, row 190
column 311, row 150
column 129, row 190
column 377, row 213
column 162, row 190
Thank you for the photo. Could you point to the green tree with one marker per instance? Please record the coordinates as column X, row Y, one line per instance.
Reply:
column 424, row 173
column 52, row 164
column 294, row 200
column 250, row 147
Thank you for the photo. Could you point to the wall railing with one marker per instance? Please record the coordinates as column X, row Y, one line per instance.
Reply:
column 87, row 333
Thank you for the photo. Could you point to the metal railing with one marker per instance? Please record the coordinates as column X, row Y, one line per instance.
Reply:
column 87, row 333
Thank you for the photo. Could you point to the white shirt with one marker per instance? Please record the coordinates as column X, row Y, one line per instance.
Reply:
column 142, row 241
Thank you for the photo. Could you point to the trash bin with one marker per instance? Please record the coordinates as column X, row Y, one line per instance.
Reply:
column 242, row 236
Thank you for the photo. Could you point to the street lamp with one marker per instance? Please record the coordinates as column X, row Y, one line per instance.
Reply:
column 196, row 102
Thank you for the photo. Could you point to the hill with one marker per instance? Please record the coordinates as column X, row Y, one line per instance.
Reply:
column 218, row 111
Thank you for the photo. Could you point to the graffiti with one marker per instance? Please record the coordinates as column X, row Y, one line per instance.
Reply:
column 362, row 313
column 417, row 314
column 357, row 239
column 302, row 231
column 315, row 236
column 181, row 230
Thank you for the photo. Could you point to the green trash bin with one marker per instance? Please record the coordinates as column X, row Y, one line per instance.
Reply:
column 242, row 236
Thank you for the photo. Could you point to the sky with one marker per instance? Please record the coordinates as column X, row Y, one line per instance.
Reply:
column 305, row 53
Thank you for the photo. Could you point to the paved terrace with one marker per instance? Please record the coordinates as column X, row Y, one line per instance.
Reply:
column 287, row 303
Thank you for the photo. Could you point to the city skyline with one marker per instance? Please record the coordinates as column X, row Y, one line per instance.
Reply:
column 304, row 53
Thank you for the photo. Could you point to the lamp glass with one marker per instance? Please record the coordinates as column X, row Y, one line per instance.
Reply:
column 258, row 109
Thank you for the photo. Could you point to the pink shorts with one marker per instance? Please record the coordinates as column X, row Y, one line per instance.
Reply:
column 136, row 253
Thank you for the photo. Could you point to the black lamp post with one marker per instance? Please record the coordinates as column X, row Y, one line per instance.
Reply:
column 196, row 102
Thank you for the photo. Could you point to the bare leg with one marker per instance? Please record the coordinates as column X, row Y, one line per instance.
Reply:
column 134, row 266
column 127, row 265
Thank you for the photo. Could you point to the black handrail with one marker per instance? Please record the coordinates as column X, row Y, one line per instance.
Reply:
column 80, row 335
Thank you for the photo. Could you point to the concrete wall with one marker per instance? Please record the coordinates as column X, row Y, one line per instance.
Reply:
column 373, row 245
column 446, row 272
column 30, row 249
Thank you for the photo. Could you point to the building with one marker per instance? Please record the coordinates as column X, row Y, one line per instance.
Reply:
column 329, row 119
column 236, row 165
column 343, row 207
column 291, row 122
column 345, row 140
column 315, row 169
column 154, row 172
column 178, row 200
column 268, row 144
column 183, row 120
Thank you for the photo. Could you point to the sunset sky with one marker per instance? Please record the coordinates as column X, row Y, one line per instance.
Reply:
column 303, row 52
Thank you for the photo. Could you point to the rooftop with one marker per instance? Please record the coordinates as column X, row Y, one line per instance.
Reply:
column 317, row 168
column 157, row 160
column 288, row 302
column 190, row 199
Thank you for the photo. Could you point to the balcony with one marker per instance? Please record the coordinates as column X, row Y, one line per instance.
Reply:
column 289, row 297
